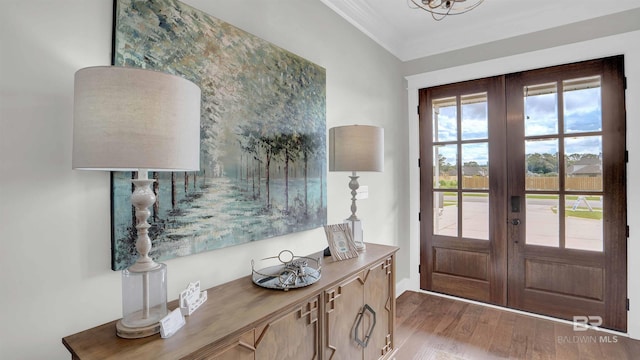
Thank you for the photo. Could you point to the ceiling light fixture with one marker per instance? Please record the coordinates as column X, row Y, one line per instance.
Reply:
column 439, row 9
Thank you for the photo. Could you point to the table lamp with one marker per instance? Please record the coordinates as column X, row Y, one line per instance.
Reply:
column 130, row 119
column 356, row 148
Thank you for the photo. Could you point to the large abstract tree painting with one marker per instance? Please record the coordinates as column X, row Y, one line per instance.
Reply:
column 262, row 137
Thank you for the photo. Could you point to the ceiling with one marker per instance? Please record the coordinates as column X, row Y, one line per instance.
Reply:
column 412, row 33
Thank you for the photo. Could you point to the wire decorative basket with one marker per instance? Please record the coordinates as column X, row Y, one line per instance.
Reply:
column 286, row 271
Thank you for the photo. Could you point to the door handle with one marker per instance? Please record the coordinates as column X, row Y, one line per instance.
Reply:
column 513, row 230
column 515, row 208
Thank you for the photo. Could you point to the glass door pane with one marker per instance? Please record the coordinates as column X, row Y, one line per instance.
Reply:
column 542, row 164
column 541, row 109
column 583, row 163
column 445, row 216
column 583, row 222
column 543, row 224
column 475, row 165
column 582, row 105
column 445, row 163
column 445, row 120
column 475, row 215
column 474, row 119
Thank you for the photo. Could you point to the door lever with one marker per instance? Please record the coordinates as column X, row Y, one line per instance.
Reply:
column 514, row 232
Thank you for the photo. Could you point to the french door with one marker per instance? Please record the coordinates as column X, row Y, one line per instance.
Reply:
column 462, row 131
column 525, row 202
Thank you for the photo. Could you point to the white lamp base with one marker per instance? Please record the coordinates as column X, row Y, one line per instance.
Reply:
column 144, row 284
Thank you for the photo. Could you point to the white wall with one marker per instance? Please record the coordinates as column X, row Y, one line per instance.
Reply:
column 55, row 276
column 627, row 44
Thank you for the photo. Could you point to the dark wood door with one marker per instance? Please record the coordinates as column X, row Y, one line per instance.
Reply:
column 523, row 198
column 566, row 192
column 463, row 239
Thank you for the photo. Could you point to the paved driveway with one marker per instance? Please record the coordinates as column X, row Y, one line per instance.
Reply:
column 542, row 223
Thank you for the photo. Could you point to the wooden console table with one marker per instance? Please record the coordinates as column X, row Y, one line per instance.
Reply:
column 241, row 320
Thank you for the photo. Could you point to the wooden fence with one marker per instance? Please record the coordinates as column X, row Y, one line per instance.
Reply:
column 534, row 182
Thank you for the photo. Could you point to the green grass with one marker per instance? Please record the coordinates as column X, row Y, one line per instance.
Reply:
column 476, row 195
column 555, row 197
column 552, row 197
column 581, row 212
column 529, row 196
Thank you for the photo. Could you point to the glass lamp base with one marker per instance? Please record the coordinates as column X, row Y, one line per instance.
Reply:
column 144, row 302
column 356, row 233
column 127, row 332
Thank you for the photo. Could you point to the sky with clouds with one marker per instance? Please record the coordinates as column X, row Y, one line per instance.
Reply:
column 582, row 114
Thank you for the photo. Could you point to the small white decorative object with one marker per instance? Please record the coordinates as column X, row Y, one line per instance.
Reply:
column 191, row 298
column 171, row 323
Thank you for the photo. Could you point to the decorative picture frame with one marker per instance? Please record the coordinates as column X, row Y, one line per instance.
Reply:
column 340, row 242
column 263, row 135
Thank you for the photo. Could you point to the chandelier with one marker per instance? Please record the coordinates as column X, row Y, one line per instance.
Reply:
column 441, row 8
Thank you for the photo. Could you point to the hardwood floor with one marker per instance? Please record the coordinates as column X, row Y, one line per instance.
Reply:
column 434, row 327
